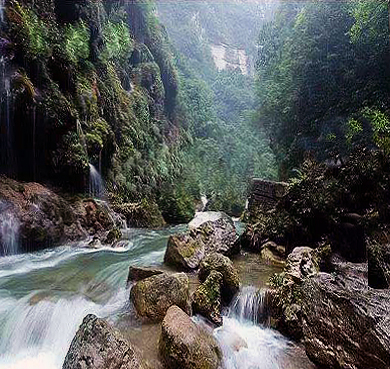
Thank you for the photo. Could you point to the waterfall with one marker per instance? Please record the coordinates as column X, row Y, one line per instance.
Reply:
column 9, row 231
column 96, row 186
column 6, row 142
column 250, row 305
column 2, row 11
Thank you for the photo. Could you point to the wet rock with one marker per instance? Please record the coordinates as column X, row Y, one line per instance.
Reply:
column 112, row 236
column 95, row 243
column 206, row 300
column 379, row 266
column 345, row 323
column 97, row 345
column 46, row 219
column 185, row 345
column 153, row 296
column 222, row 264
column 209, row 232
column 272, row 252
column 139, row 273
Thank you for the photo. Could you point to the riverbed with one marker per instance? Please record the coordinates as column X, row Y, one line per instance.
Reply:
column 44, row 297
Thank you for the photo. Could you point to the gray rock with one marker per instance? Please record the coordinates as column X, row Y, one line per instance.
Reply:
column 97, row 345
column 345, row 323
column 301, row 263
column 212, row 232
column 139, row 273
column 222, row 264
column 206, row 300
column 153, row 296
column 184, row 345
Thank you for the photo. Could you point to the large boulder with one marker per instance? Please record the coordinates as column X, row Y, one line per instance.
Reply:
column 345, row 323
column 206, row 300
column 223, row 265
column 153, row 296
column 97, row 345
column 139, row 273
column 285, row 302
column 208, row 232
column 185, row 345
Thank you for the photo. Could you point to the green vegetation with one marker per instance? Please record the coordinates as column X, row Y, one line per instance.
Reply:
column 225, row 151
column 323, row 81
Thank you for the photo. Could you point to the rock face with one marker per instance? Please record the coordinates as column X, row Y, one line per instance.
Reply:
column 345, row 323
column 223, row 265
column 153, row 296
column 45, row 218
column 139, row 273
column 98, row 346
column 49, row 219
column 185, row 345
column 209, row 232
column 206, row 300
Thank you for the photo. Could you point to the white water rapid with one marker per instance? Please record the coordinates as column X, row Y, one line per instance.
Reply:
column 248, row 344
column 44, row 297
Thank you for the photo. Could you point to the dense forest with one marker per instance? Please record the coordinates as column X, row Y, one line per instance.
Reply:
column 323, row 84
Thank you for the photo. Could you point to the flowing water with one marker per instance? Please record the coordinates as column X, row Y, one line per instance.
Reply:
column 45, row 295
column 96, row 186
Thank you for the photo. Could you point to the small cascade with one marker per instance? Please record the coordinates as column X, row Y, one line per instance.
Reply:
column 2, row 3
column 9, row 231
column 96, row 186
column 204, row 200
column 251, row 305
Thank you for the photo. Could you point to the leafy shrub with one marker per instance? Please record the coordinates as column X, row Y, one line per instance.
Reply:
column 76, row 42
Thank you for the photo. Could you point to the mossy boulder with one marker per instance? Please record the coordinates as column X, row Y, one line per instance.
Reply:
column 271, row 252
column 97, row 345
column 206, row 300
column 139, row 273
column 209, row 232
column 113, row 235
column 185, row 345
column 153, row 296
column 144, row 214
column 222, row 264
column 45, row 218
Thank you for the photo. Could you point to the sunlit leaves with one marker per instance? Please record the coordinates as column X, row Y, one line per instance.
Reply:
column 77, row 41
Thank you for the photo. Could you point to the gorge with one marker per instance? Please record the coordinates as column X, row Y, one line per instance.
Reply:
column 194, row 184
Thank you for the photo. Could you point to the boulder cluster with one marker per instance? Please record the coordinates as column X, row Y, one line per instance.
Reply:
column 164, row 297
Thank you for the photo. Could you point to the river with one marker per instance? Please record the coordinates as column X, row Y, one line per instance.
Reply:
column 44, row 296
